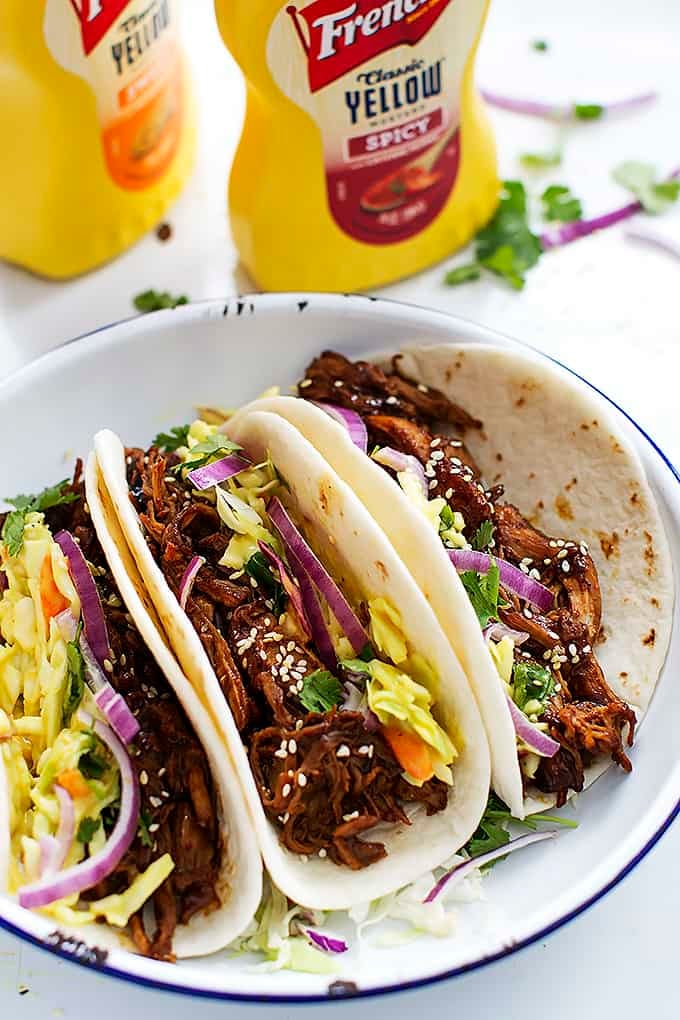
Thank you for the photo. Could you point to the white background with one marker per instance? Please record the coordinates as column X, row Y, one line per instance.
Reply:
column 608, row 307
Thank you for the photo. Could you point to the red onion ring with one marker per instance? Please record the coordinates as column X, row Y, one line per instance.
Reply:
column 291, row 589
column 89, row 873
column 460, row 871
column 350, row 420
column 498, row 631
column 301, row 553
column 397, row 461
column 511, row 577
column 535, row 739
column 111, row 704
column 210, row 475
column 533, row 108
column 90, row 603
column 189, row 576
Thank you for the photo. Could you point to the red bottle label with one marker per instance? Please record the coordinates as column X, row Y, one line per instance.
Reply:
column 382, row 81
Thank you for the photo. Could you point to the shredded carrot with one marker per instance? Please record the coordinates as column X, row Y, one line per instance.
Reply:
column 411, row 752
column 53, row 602
column 73, row 782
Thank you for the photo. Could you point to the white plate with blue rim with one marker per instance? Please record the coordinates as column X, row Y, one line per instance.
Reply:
column 142, row 375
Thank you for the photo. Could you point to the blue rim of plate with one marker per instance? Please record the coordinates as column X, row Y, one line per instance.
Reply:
column 447, row 975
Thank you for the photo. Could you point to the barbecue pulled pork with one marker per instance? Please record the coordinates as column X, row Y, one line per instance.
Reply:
column 584, row 715
column 324, row 779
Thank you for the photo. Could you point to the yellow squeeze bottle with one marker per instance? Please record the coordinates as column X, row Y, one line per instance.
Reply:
column 366, row 153
column 97, row 127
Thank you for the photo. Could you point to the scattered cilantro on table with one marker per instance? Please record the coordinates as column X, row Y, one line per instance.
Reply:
column 155, row 300
column 560, row 204
column 640, row 178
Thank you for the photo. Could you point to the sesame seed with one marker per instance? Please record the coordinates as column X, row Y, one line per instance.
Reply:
column 305, row 383
column 144, row 777
column 547, row 655
column 560, row 542
column 565, row 566
column 285, row 792
column 263, row 655
column 253, row 583
column 323, row 853
column 436, row 455
column 547, row 561
column 292, row 746
column 527, row 613
column 300, row 685
column 423, row 388
column 449, row 493
column 343, row 751
column 524, row 568
column 363, row 749
column 350, row 817
column 292, row 689
column 552, row 543
column 281, row 754
column 457, row 461
column 338, row 383
column 429, row 471
column 108, row 665
column 253, row 632
column 561, row 554
column 286, row 817
column 154, row 827
column 575, row 660
column 391, row 400
column 155, row 801
column 535, row 574
column 586, row 649
column 572, row 649
column 301, row 779
column 164, row 793
column 370, row 751
column 432, row 484
column 298, row 724
column 161, row 772
column 435, row 442
column 123, row 659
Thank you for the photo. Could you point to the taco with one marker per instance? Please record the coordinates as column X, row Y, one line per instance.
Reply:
column 526, row 520
column 116, row 793
column 358, row 744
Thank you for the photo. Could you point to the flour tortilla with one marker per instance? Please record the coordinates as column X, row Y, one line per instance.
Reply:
column 362, row 561
column 567, row 466
column 240, row 885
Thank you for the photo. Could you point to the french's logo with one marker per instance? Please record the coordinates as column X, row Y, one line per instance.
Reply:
column 338, row 37
column 96, row 18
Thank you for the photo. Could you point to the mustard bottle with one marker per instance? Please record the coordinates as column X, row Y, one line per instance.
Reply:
column 98, row 129
column 366, row 153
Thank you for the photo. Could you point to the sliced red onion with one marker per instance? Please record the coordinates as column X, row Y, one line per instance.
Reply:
column 90, row 603
column 498, row 631
column 352, row 421
column 49, row 854
column 663, row 244
column 108, row 701
column 89, row 873
column 67, row 625
column 314, row 615
column 326, row 943
column 371, row 721
column 66, row 829
column 212, row 474
column 561, row 111
column 289, row 586
column 535, row 739
column 568, row 232
column 188, row 577
column 317, row 573
column 398, row 461
column 511, row 577
column 462, row 870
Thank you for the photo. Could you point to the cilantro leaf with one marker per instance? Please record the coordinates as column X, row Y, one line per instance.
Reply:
column 201, row 453
column 483, row 536
column 540, row 45
column 171, row 441
column 155, row 300
column 143, row 833
column 462, row 274
column 87, row 829
column 492, row 832
column 482, row 590
column 531, row 682
column 321, row 691
column 446, row 518
column 640, row 178
column 588, row 111
column 75, row 680
column 541, row 160
column 506, row 245
column 13, row 528
column 92, row 765
column 258, row 568
column 367, row 653
column 560, row 204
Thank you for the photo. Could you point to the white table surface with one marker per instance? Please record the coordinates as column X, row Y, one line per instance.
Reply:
column 606, row 306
